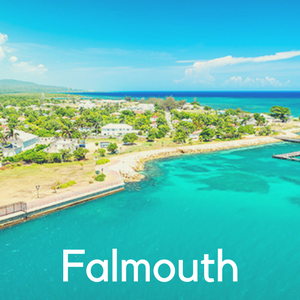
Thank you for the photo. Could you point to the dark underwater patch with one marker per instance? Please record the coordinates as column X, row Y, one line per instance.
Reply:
column 236, row 182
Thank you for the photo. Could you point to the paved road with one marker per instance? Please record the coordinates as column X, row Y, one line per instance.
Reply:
column 168, row 118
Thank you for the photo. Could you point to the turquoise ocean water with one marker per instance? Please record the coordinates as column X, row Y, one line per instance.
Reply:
column 242, row 201
column 248, row 101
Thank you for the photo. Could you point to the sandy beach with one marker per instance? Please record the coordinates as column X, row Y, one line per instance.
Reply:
column 129, row 165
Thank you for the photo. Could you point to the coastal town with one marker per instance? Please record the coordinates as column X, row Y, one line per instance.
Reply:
column 54, row 145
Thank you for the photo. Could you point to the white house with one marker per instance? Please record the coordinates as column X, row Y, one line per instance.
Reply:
column 187, row 120
column 188, row 106
column 21, row 141
column 269, row 119
column 195, row 135
column 116, row 129
column 63, row 144
column 251, row 121
column 154, row 118
column 87, row 104
column 144, row 107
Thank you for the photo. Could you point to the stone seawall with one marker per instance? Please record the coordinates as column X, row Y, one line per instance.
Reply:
column 130, row 165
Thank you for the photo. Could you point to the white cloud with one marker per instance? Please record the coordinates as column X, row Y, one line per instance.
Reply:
column 3, row 38
column 238, row 81
column 2, row 53
column 24, row 67
column 28, row 67
column 201, row 70
column 13, row 59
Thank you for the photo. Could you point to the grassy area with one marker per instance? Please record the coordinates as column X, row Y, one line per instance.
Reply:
column 19, row 184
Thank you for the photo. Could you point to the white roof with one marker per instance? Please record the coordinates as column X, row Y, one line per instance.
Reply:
column 24, row 136
column 116, row 126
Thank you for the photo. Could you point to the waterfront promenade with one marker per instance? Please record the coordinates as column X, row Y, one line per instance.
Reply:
column 121, row 168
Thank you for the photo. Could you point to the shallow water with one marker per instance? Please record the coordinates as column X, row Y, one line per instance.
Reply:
column 240, row 200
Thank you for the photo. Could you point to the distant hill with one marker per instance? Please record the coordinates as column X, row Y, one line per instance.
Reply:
column 16, row 86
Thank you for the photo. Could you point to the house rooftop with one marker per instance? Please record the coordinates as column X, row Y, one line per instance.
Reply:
column 24, row 136
column 116, row 126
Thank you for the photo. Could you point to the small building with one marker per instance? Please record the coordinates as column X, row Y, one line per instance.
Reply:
column 144, row 107
column 87, row 104
column 175, row 121
column 46, row 140
column 269, row 119
column 62, row 144
column 138, row 112
column 21, row 141
column 116, row 114
column 154, row 118
column 104, row 144
column 188, row 106
column 21, row 119
column 187, row 120
column 153, row 124
column 116, row 129
column 251, row 121
column 212, row 126
column 195, row 134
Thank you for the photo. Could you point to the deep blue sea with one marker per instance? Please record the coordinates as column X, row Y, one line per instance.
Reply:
column 247, row 101
column 243, row 201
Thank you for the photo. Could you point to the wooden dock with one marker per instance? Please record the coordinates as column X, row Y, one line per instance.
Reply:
column 286, row 139
column 288, row 156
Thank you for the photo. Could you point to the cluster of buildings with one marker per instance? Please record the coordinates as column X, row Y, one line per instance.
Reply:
column 140, row 108
column 23, row 141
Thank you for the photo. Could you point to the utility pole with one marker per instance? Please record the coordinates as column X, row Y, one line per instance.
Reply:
column 42, row 100
column 69, row 97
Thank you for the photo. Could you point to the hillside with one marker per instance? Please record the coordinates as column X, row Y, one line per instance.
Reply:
column 16, row 86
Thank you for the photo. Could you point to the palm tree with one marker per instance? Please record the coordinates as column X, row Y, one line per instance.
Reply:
column 2, row 137
column 245, row 119
column 97, row 123
column 65, row 154
column 55, row 186
column 67, row 130
column 11, row 134
column 84, row 135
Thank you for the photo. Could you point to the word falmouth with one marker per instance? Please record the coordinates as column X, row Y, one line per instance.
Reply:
column 206, row 262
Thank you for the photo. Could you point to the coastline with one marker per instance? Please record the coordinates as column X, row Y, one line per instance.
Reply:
column 125, row 169
column 130, row 165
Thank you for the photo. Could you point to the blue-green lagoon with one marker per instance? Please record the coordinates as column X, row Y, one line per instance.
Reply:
column 242, row 201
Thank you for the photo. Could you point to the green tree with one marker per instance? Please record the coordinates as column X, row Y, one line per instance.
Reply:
column 80, row 153
column 151, row 135
column 112, row 147
column 130, row 138
column 101, row 151
column 181, row 135
column 207, row 134
column 280, row 112
column 259, row 118
column 66, row 154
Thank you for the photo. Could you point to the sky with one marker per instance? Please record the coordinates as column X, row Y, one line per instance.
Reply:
column 164, row 45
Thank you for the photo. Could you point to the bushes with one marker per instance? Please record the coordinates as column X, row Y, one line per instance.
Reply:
column 102, row 161
column 101, row 152
column 100, row 177
column 36, row 155
column 80, row 153
column 66, row 185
